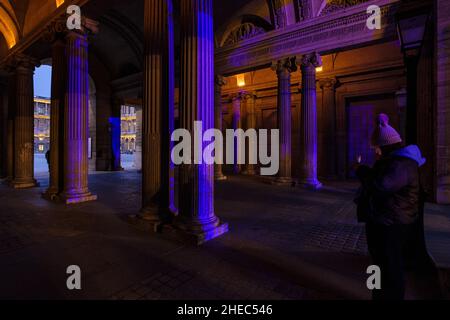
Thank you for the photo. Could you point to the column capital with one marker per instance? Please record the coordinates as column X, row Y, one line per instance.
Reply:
column 328, row 83
column 284, row 66
column 249, row 95
column 220, row 80
column 310, row 60
column 57, row 29
column 237, row 96
column 23, row 62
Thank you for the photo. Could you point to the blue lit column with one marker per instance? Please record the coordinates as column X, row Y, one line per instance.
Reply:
column 76, row 120
column 308, row 123
column 283, row 69
column 196, row 206
column 115, row 135
column 158, row 112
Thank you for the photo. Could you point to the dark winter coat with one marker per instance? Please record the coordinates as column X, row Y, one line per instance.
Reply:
column 390, row 194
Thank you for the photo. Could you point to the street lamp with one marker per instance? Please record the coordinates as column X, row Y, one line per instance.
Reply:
column 412, row 21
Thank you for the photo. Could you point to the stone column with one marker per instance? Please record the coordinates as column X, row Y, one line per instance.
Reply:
column 237, row 124
column 57, row 120
column 328, row 126
column 308, row 122
column 115, row 135
column 250, row 100
column 196, row 204
column 10, row 126
column 283, row 69
column 24, row 124
column 220, row 82
column 138, row 153
column 158, row 109
column 3, row 129
column 76, row 118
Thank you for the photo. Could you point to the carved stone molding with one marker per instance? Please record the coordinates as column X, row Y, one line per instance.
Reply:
column 220, row 81
column 347, row 30
column 328, row 83
column 336, row 5
column 243, row 32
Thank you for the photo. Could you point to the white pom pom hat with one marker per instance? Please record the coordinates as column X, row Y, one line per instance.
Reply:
column 384, row 134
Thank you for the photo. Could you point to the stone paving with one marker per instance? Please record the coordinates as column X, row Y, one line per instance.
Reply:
column 284, row 243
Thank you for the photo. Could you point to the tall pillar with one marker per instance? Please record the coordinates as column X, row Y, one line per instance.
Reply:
column 10, row 126
column 24, row 124
column 328, row 126
column 237, row 124
column 76, row 118
column 158, row 109
column 115, row 135
column 220, row 82
column 283, row 69
column 196, row 203
column 250, row 101
column 3, row 128
column 308, row 122
column 138, row 152
column 57, row 120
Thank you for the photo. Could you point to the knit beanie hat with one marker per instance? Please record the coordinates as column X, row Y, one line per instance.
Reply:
column 384, row 134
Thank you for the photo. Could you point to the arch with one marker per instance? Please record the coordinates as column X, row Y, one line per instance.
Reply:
column 8, row 27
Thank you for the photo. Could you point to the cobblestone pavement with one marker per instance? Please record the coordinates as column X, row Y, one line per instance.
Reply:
column 284, row 243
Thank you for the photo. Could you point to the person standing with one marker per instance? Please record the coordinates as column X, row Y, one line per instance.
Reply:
column 389, row 204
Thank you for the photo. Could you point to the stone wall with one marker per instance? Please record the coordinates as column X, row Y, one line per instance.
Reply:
column 442, row 65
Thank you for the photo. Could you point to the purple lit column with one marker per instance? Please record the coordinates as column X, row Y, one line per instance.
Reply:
column 24, row 124
column 250, row 100
column 220, row 82
column 158, row 112
column 196, row 206
column 328, row 126
column 308, row 123
column 57, row 120
column 237, row 124
column 76, row 118
column 283, row 69
column 115, row 135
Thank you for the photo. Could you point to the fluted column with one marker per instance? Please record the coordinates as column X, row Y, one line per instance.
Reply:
column 10, row 126
column 24, row 124
column 57, row 120
column 219, row 83
column 138, row 152
column 76, row 120
column 158, row 106
column 115, row 135
column 308, row 123
column 328, row 126
column 237, row 124
column 283, row 69
column 196, row 203
column 250, row 121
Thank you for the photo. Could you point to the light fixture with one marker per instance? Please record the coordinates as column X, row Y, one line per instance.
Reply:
column 319, row 69
column 412, row 20
column 240, row 80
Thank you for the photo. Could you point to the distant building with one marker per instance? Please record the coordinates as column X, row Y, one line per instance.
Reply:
column 128, row 129
column 41, row 124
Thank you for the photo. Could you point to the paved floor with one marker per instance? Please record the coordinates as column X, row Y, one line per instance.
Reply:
column 284, row 243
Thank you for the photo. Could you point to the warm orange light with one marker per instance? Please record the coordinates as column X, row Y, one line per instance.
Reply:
column 8, row 28
column 319, row 69
column 59, row 3
column 240, row 80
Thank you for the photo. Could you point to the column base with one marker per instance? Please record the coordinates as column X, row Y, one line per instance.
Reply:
column 197, row 233
column 443, row 190
column 26, row 184
column 153, row 217
column 310, row 184
column 283, row 181
column 77, row 198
